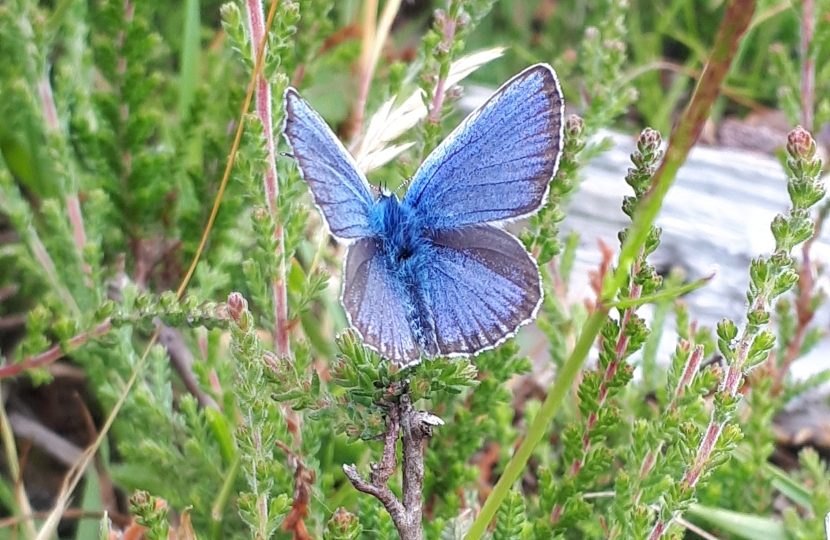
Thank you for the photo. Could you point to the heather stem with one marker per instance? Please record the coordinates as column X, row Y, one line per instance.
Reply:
column 808, row 66
column 370, row 8
column 263, row 101
column 689, row 371
column 374, row 37
column 620, row 349
column 73, row 205
column 416, row 427
column 449, row 27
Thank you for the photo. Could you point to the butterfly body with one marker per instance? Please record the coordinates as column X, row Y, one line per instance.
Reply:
column 401, row 231
column 433, row 273
column 403, row 242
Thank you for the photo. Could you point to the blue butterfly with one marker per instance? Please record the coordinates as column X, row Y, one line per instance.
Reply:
column 433, row 273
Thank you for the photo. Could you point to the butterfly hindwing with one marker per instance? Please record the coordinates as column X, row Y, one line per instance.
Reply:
column 377, row 304
column 497, row 164
column 482, row 285
column 340, row 190
column 433, row 274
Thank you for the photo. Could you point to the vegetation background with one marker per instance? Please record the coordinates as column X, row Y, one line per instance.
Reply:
column 146, row 396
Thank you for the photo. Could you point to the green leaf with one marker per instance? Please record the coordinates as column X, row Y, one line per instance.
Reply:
column 746, row 526
column 511, row 518
column 189, row 75
column 91, row 502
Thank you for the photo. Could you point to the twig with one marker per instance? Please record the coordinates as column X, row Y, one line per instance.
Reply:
column 416, row 427
column 9, row 237
column 56, row 352
column 72, row 513
column 182, row 360
column 12, row 321
column 8, row 291
column 44, row 438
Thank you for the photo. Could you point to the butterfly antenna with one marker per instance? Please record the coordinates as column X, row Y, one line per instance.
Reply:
column 404, row 184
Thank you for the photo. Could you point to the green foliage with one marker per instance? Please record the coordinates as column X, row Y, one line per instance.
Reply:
column 342, row 526
column 118, row 119
column 151, row 513
column 511, row 520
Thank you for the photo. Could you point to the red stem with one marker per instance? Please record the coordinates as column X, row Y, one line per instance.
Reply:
column 263, row 100
column 440, row 90
column 689, row 371
column 657, row 531
column 73, row 205
column 734, row 25
column 610, row 371
column 56, row 352
column 704, row 451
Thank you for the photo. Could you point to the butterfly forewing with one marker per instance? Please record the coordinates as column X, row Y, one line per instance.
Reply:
column 340, row 190
column 433, row 274
column 376, row 304
column 498, row 163
column 481, row 287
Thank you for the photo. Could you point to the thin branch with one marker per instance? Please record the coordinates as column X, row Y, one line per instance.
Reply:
column 381, row 472
column 416, row 427
column 54, row 353
column 182, row 360
column 44, row 438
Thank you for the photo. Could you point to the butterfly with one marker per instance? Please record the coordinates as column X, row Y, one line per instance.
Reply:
column 433, row 274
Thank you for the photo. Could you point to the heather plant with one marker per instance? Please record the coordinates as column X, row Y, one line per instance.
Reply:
column 157, row 234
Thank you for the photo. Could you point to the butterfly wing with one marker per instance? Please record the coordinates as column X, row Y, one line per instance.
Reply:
column 497, row 165
column 376, row 304
column 482, row 285
column 340, row 191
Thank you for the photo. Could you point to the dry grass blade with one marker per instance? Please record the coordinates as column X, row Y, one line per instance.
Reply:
column 23, row 506
column 390, row 122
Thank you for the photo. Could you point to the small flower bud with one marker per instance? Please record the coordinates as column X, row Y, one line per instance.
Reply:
column 800, row 144
column 236, row 306
column 574, row 125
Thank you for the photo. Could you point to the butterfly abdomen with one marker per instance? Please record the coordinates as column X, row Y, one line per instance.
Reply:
column 405, row 245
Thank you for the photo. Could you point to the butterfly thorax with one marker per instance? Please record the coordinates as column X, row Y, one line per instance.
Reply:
column 399, row 231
